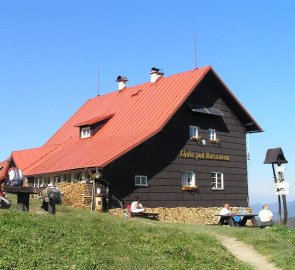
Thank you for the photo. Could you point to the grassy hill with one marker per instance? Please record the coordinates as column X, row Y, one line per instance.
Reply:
column 80, row 239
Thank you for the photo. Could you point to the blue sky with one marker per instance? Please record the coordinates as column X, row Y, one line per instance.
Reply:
column 50, row 52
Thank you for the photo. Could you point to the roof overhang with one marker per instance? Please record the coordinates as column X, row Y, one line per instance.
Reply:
column 249, row 123
column 94, row 120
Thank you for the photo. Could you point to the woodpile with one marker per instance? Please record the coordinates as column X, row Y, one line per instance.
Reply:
column 77, row 195
column 199, row 215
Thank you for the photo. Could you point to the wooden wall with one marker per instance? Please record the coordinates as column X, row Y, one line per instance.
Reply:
column 159, row 158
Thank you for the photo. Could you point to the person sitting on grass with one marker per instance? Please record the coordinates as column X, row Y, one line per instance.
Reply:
column 265, row 216
column 136, row 206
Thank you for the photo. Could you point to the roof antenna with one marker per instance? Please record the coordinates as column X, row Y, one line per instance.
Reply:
column 97, row 82
column 195, row 43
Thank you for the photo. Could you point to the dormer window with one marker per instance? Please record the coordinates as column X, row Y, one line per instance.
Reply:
column 85, row 132
column 212, row 135
column 193, row 132
column 90, row 127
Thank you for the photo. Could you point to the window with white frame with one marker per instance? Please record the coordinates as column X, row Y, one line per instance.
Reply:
column 188, row 178
column 141, row 180
column 217, row 182
column 193, row 132
column 212, row 134
column 85, row 132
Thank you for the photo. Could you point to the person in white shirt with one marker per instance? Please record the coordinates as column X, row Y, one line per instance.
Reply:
column 265, row 216
column 225, row 211
column 136, row 206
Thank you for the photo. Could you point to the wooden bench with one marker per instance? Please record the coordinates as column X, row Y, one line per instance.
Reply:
column 23, row 195
column 229, row 219
column 153, row 216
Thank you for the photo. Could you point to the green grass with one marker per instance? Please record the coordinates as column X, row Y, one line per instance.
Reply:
column 277, row 243
column 80, row 239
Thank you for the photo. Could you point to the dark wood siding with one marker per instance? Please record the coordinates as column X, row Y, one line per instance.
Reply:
column 159, row 158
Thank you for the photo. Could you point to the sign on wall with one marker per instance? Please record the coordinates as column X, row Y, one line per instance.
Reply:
column 203, row 155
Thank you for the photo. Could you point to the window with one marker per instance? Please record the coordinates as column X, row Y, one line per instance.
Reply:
column 193, row 132
column 67, row 177
column 212, row 134
column 188, row 179
column 217, row 181
column 141, row 180
column 85, row 132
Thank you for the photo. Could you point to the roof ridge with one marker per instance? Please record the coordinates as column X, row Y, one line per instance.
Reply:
column 148, row 82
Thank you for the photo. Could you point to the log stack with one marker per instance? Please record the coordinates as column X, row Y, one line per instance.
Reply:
column 198, row 215
column 77, row 195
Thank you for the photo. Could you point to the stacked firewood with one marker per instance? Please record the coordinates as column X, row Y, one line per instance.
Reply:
column 197, row 215
column 77, row 195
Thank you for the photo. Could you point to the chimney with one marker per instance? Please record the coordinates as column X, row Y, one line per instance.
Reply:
column 156, row 73
column 121, row 82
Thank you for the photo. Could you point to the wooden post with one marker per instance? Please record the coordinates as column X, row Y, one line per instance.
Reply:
column 93, row 195
column 51, row 207
column 285, row 220
column 280, row 210
column 279, row 197
column 285, row 208
column 108, row 198
column 23, row 201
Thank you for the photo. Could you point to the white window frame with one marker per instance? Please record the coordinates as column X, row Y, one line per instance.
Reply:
column 212, row 134
column 85, row 132
column 215, row 177
column 188, row 178
column 141, row 180
column 193, row 132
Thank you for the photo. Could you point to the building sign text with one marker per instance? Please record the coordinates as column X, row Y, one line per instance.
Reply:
column 203, row 155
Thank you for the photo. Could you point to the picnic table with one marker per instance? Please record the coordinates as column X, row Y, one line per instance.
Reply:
column 229, row 219
column 23, row 195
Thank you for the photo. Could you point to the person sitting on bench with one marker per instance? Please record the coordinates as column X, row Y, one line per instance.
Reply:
column 136, row 206
column 225, row 211
column 265, row 216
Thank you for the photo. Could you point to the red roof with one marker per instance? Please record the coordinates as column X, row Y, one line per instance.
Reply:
column 24, row 158
column 134, row 115
column 3, row 169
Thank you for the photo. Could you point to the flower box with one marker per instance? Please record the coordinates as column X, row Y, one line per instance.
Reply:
column 214, row 141
column 196, row 139
column 189, row 188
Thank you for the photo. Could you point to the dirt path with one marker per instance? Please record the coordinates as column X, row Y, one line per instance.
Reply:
column 246, row 253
